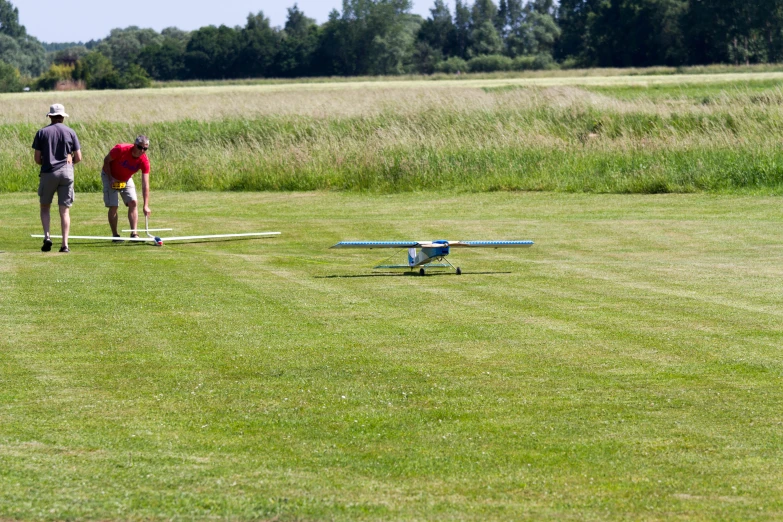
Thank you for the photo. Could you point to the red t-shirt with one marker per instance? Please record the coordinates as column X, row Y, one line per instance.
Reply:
column 124, row 165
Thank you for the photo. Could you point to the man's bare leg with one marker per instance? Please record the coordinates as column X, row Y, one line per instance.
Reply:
column 113, row 221
column 45, row 219
column 65, row 223
column 133, row 215
column 45, row 222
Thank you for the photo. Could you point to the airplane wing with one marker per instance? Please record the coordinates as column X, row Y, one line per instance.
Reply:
column 216, row 236
column 146, row 229
column 108, row 238
column 377, row 244
column 164, row 239
column 491, row 244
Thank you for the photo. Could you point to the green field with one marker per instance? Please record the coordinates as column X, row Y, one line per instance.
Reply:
column 643, row 133
column 627, row 366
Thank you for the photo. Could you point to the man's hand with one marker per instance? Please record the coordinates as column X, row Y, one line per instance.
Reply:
column 147, row 211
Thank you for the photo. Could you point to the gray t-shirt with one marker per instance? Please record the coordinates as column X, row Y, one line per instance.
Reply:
column 55, row 142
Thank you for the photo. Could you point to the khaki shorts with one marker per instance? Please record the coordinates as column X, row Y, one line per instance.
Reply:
column 60, row 181
column 110, row 195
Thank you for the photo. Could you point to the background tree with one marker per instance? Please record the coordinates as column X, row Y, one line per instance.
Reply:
column 437, row 35
column 69, row 55
column 212, row 51
column 624, row 33
column 123, row 46
column 53, row 76
column 515, row 32
column 97, row 71
column 166, row 60
column 9, row 78
column 134, row 77
column 541, row 27
column 298, row 45
column 332, row 53
column 501, row 19
column 383, row 37
column 484, row 36
column 572, row 18
column 26, row 54
column 369, row 35
column 770, row 27
column 733, row 31
column 258, row 48
column 9, row 20
column 462, row 29
column 17, row 48
column 392, row 53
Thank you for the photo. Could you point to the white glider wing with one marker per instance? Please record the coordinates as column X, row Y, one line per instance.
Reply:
column 216, row 236
column 108, row 238
column 146, row 229
column 164, row 239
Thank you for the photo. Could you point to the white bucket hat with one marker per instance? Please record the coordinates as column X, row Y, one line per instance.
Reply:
column 57, row 110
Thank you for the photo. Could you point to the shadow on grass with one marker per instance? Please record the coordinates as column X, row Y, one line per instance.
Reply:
column 108, row 243
column 408, row 274
column 227, row 240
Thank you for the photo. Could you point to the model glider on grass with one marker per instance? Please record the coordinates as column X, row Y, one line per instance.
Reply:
column 432, row 254
column 158, row 241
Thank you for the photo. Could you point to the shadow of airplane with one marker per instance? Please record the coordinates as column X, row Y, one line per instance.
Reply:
column 406, row 274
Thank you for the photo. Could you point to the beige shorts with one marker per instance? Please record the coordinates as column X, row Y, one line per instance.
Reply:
column 111, row 196
column 60, row 181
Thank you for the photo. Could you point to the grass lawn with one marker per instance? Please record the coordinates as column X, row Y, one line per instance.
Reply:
column 628, row 366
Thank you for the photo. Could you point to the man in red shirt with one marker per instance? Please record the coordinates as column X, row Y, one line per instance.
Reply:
column 119, row 166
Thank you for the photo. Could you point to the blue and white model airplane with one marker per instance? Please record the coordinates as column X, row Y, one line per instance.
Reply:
column 432, row 254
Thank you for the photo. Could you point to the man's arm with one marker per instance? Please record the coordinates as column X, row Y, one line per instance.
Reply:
column 77, row 156
column 38, row 159
column 145, row 190
column 107, row 164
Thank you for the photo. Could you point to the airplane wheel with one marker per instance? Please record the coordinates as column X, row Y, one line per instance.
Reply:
column 421, row 271
column 459, row 271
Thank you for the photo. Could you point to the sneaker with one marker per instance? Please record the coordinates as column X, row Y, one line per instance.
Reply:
column 116, row 240
column 47, row 245
column 134, row 234
column 65, row 249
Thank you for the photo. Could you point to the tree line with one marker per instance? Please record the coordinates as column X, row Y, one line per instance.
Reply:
column 382, row 37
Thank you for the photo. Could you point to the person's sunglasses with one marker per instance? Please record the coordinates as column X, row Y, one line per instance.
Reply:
column 141, row 148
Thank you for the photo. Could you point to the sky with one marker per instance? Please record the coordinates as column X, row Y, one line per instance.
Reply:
column 84, row 20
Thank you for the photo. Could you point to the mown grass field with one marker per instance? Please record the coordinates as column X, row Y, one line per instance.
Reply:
column 642, row 133
column 627, row 366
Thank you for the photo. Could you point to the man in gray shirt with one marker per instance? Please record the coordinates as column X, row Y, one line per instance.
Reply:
column 57, row 150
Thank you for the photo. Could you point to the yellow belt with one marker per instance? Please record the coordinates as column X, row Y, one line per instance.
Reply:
column 118, row 185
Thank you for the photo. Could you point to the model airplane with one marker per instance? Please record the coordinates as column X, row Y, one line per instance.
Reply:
column 432, row 254
column 158, row 241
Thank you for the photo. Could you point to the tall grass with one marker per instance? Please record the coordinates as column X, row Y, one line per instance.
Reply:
column 626, row 140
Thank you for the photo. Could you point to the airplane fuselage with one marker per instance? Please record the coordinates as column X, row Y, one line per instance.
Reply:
column 428, row 253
